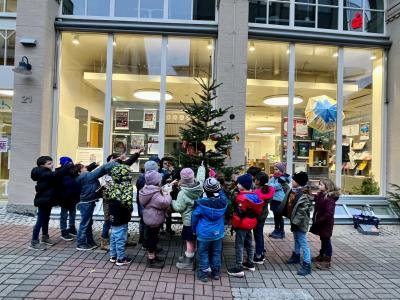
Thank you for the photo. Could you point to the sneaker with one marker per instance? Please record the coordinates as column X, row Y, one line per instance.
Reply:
column 85, row 247
column 72, row 231
column 236, row 272
column 155, row 263
column 305, row 269
column 123, row 262
column 278, row 235
column 186, row 264
column 93, row 245
column 113, row 259
column 259, row 260
column 272, row 233
column 35, row 245
column 249, row 266
column 46, row 240
column 66, row 236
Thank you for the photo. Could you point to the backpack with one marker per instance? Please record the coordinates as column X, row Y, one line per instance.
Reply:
column 248, row 207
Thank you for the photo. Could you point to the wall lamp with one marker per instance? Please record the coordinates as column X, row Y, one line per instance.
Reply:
column 24, row 67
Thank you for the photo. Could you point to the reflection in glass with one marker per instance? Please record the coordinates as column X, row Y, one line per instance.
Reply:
column 304, row 16
column 375, row 4
column 279, row 13
column 352, row 20
column 153, row 9
column 98, row 7
column 180, row 9
column 374, row 21
column 327, row 17
column 257, row 11
column 11, row 6
column 353, row 3
column 10, row 48
column 204, row 10
column 73, row 7
column 328, row 2
column 2, row 46
column 126, row 8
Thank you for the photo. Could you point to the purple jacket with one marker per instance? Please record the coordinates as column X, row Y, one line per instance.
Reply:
column 155, row 205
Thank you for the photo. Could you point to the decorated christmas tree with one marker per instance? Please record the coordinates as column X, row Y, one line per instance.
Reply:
column 204, row 138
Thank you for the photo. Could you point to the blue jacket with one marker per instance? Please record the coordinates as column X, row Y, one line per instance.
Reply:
column 208, row 218
column 90, row 182
column 280, row 184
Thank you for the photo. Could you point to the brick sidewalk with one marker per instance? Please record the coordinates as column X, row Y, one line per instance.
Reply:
column 364, row 267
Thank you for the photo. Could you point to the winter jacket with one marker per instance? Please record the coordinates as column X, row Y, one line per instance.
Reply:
column 324, row 212
column 120, row 195
column 187, row 195
column 208, row 218
column 266, row 198
column 155, row 205
column 247, row 208
column 90, row 183
column 300, row 217
column 69, row 191
column 281, row 186
column 47, row 185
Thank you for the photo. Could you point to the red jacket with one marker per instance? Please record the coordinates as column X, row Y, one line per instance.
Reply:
column 324, row 212
column 248, row 207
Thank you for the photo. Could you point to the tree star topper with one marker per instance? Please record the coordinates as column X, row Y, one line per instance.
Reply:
column 210, row 144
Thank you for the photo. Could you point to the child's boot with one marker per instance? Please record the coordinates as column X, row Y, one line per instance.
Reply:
column 294, row 259
column 187, row 263
column 104, row 245
column 305, row 269
column 318, row 258
column 325, row 264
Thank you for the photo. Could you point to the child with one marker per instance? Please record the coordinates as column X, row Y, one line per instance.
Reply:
column 120, row 200
column 69, row 198
column 323, row 221
column 280, row 182
column 190, row 190
column 155, row 208
column 265, row 193
column 167, row 171
column 88, row 197
column 208, row 225
column 244, row 220
column 45, row 198
column 298, row 207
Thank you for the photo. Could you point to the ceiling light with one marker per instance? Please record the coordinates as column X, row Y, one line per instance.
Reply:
column 151, row 95
column 252, row 48
column 7, row 93
column 335, row 54
column 287, row 51
column 372, row 57
column 114, row 41
column 75, row 40
column 209, row 46
column 265, row 128
column 281, row 100
column 261, row 134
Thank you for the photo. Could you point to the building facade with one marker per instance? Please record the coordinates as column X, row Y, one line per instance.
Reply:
column 111, row 76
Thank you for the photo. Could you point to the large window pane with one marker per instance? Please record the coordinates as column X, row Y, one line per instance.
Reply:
column 362, row 123
column 73, row 7
column 180, row 9
column 126, row 8
column 136, row 95
column 98, row 7
column 266, row 104
column 188, row 60
column 204, row 10
column 304, row 15
column 315, row 114
column 257, row 11
column 279, row 13
column 327, row 17
column 153, row 9
column 374, row 21
column 82, row 92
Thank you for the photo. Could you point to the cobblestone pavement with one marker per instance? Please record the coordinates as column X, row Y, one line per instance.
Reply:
column 364, row 267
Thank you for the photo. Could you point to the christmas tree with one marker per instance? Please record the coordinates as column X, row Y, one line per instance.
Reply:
column 204, row 138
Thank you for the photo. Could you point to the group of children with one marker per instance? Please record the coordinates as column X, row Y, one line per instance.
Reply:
column 204, row 201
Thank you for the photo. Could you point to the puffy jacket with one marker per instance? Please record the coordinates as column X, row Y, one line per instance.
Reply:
column 187, row 195
column 69, row 191
column 155, row 205
column 47, row 185
column 266, row 198
column 247, row 208
column 324, row 212
column 120, row 195
column 208, row 218
column 300, row 217
column 90, row 183
column 281, row 186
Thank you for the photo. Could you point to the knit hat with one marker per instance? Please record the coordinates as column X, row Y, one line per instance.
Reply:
column 211, row 185
column 187, row 176
column 153, row 178
column 301, row 178
column 150, row 165
column 281, row 166
column 65, row 160
column 245, row 181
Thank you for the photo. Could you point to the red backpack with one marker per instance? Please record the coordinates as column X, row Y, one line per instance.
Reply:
column 248, row 207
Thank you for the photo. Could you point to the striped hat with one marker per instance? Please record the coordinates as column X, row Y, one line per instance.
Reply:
column 211, row 185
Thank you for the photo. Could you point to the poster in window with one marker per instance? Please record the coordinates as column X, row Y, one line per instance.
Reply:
column 149, row 118
column 364, row 131
column 120, row 144
column 122, row 119
column 302, row 150
column 301, row 128
column 137, row 142
column 152, row 144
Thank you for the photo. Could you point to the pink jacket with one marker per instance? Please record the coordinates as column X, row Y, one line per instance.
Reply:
column 155, row 205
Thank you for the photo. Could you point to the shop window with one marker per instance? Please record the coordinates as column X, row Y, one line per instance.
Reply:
column 362, row 123
column 266, row 104
column 7, row 47
column 82, row 94
column 127, row 8
column 136, row 96
column 6, row 104
column 314, row 124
